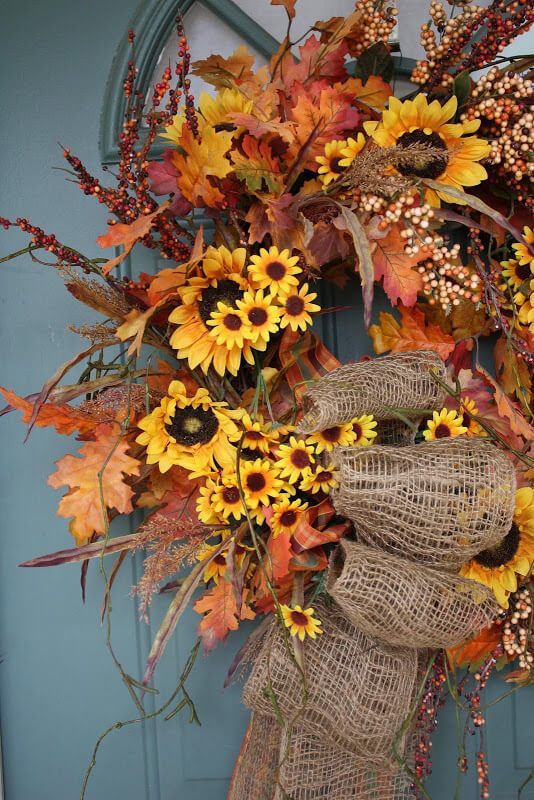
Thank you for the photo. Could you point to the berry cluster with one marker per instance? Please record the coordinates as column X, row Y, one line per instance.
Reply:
column 427, row 719
column 447, row 281
column 516, row 637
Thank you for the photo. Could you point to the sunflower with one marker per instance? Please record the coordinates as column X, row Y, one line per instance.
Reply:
column 525, row 315
column 522, row 251
column 286, row 516
column 296, row 307
column 274, row 269
column 191, row 432
column 258, row 436
column 444, row 423
column 262, row 317
column 205, row 508
column 301, row 621
column 330, row 166
column 217, row 566
column 363, row 428
column 226, row 498
column 499, row 566
column 354, row 146
column 217, row 110
column 516, row 273
column 322, row 479
column 260, row 481
column 229, row 328
column 467, row 415
column 295, row 460
column 221, row 282
column 343, row 435
column 415, row 122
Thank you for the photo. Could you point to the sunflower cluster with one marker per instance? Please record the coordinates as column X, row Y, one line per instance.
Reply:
column 518, row 274
column 232, row 307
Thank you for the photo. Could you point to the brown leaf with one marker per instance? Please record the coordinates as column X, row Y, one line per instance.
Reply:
column 63, row 418
column 401, row 281
column 412, row 333
column 474, row 651
column 128, row 235
column 289, row 6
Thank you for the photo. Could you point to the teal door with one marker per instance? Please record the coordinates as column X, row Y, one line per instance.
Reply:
column 58, row 687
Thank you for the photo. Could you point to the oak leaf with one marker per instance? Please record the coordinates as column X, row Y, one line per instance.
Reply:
column 507, row 409
column 64, row 418
column 289, row 6
column 203, row 159
column 258, row 127
column 106, row 455
column 220, row 614
column 221, row 71
column 271, row 215
column 134, row 326
column 127, row 235
column 475, row 651
column 401, row 281
column 375, row 92
column 513, row 373
column 320, row 117
column 257, row 165
column 412, row 333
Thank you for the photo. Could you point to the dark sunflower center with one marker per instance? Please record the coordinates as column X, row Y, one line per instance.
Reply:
column 288, row 518
column 220, row 559
column 300, row 459
column 191, row 426
column 501, row 553
column 466, row 419
column 357, row 428
column 225, row 292
column 275, row 270
column 254, row 436
column 299, row 618
column 324, row 477
column 256, row 482
column 424, row 166
column 332, row 434
column 257, row 316
column 294, row 305
column 230, row 494
column 334, row 165
column 523, row 271
column 442, row 431
column 232, row 322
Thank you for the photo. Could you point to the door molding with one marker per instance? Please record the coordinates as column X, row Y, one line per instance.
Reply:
column 153, row 23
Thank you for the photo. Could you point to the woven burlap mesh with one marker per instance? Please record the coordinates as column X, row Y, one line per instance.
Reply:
column 359, row 691
column 312, row 769
column 256, row 769
column 394, row 432
column 397, row 381
column 438, row 503
column 404, row 603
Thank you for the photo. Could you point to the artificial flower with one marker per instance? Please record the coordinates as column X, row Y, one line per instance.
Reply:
column 221, row 282
column 261, row 315
column 330, row 167
column 228, row 326
column 226, row 498
column 517, row 273
column 260, row 481
column 258, row 435
column 295, row 459
column 522, row 250
column 217, row 566
column 467, row 415
column 343, row 435
column 364, row 430
column 286, row 515
column 204, row 505
column 321, row 479
column 354, row 146
column 412, row 122
column 301, row 622
column 191, row 432
column 296, row 307
column 498, row 567
column 274, row 270
column 444, row 423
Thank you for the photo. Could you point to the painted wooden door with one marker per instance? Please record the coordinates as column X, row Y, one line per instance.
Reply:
column 58, row 688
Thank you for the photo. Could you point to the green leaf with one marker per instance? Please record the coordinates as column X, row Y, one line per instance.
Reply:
column 462, row 88
column 376, row 60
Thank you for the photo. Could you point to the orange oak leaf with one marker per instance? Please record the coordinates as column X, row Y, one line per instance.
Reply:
column 128, row 235
column 475, row 650
column 167, row 281
column 289, row 6
column 375, row 92
column 507, row 409
column 320, row 118
column 257, row 166
column 270, row 216
column 401, row 281
column 258, row 127
column 106, row 455
column 134, row 326
column 220, row 614
column 513, row 373
column 412, row 333
column 221, row 71
column 203, row 159
column 63, row 418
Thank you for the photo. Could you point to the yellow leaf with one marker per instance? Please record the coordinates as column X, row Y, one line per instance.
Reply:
column 203, row 159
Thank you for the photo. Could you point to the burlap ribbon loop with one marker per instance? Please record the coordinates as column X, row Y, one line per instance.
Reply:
column 437, row 503
column 359, row 690
column 397, row 381
column 406, row 604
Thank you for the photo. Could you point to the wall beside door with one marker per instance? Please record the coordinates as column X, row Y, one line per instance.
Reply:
column 58, row 687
